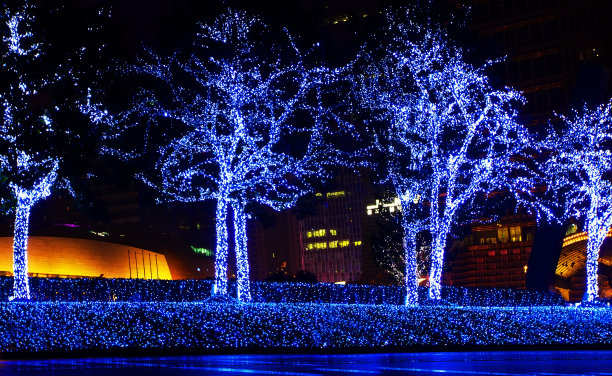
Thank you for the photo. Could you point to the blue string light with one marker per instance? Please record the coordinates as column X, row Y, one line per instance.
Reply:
column 130, row 290
column 239, row 108
column 458, row 133
column 26, row 198
column 31, row 174
column 576, row 171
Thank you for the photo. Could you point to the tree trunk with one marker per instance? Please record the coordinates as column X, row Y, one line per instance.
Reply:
column 21, row 287
column 593, row 245
column 221, row 248
column 437, row 261
column 411, row 276
column 242, row 259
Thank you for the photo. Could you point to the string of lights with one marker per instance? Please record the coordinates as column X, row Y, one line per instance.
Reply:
column 30, row 173
column 26, row 198
column 450, row 134
column 204, row 326
column 576, row 171
column 147, row 290
column 241, row 101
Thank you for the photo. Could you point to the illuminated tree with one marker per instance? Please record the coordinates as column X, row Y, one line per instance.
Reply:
column 32, row 136
column 448, row 133
column 238, row 103
column 390, row 246
column 578, row 171
column 31, row 175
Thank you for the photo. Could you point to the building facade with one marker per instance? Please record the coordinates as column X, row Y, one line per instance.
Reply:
column 331, row 242
column 74, row 258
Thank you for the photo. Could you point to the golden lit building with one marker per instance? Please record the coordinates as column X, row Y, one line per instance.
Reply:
column 570, row 274
column 71, row 257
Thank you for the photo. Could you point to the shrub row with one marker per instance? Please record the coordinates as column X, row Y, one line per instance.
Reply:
column 104, row 290
column 65, row 327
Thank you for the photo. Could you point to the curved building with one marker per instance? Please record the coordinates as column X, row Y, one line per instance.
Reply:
column 570, row 274
column 72, row 257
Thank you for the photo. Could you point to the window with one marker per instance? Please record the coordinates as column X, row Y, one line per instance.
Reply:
column 554, row 64
column 515, row 234
column 539, row 66
column 526, row 74
column 322, row 245
column 336, row 194
column 502, row 234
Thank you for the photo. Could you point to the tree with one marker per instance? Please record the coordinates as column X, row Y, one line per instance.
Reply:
column 389, row 248
column 248, row 116
column 34, row 127
column 31, row 174
column 578, row 171
column 448, row 134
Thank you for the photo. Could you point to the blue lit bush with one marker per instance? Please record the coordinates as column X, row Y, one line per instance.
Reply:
column 102, row 289
column 167, row 326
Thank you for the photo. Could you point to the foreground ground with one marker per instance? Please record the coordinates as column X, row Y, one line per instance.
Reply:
column 65, row 327
column 504, row 363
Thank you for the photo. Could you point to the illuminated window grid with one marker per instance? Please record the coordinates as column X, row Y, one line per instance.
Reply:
column 340, row 260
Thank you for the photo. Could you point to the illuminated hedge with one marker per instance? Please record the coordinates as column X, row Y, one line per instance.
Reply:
column 60, row 327
column 103, row 289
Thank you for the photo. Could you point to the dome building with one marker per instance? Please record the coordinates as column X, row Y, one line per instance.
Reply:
column 74, row 258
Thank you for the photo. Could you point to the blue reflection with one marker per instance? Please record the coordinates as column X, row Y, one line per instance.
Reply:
column 459, row 363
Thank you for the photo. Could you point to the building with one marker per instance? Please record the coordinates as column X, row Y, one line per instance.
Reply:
column 331, row 241
column 493, row 255
column 570, row 274
column 75, row 258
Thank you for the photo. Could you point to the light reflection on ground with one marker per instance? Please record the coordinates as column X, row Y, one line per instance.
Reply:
column 460, row 363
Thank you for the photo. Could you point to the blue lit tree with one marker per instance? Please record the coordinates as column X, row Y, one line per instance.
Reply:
column 448, row 133
column 237, row 103
column 34, row 129
column 578, row 171
column 31, row 173
column 392, row 246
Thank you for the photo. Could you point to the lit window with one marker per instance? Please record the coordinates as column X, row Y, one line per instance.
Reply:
column 322, row 245
column 344, row 243
column 333, row 232
column 309, row 234
column 333, row 244
column 502, row 234
column 202, row 251
column 358, row 242
column 515, row 234
column 336, row 194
